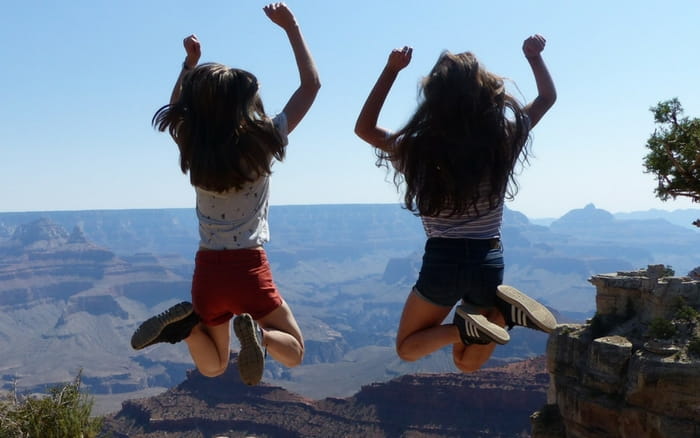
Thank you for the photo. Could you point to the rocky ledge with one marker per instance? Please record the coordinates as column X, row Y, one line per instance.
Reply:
column 631, row 371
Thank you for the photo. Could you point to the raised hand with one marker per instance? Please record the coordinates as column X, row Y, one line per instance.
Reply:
column 280, row 14
column 534, row 45
column 193, row 50
column 399, row 58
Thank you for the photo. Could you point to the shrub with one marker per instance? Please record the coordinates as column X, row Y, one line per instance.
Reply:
column 63, row 412
column 684, row 312
column 694, row 347
column 661, row 328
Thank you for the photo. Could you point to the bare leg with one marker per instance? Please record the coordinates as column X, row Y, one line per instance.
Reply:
column 210, row 348
column 469, row 358
column 420, row 331
column 282, row 336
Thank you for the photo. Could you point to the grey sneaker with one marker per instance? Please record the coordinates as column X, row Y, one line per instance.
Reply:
column 172, row 325
column 519, row 309
column 475, row 328
column 251, row 360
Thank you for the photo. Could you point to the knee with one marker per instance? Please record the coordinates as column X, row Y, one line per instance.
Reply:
column 405, row 354
column 212, row 371
column 469, row 363
column 468, row 366
column 297, row 359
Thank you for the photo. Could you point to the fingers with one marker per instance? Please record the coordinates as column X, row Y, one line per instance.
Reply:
column 400, row 58
column 274, row 8
column 405, row 52
column 189, row 40
column 534, row 44
column 535, row 41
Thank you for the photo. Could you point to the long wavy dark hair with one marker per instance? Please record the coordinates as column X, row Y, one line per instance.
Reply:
column 466, row 134
column 220, row 126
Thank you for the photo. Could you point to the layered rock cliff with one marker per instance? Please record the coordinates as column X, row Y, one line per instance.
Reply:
column 489, row 403
column 634, row 369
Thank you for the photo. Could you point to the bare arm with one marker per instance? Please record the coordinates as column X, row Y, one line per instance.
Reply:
column 194, row 51
column 301, row 100
column 546, row 93
column 366, row 126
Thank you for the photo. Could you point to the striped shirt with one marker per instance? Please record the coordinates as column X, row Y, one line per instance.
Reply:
column 487, row 225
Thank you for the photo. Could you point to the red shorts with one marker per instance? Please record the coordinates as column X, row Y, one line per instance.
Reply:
column 230, row 282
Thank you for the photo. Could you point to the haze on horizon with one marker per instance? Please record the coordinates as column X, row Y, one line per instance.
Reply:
column 83, row 79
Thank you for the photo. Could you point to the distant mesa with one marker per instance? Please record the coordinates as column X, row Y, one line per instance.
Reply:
column 43, row 233
column 589, row 215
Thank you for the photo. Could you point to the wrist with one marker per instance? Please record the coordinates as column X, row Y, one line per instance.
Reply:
column 186, row 66
column 291, row 27
column 392, row 70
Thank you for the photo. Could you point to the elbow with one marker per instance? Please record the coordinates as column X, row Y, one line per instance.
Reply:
column 551, row 98
column 312, row 85
column 361, row 130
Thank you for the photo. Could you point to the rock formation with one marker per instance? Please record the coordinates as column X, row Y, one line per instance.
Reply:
column 490, row 403
column 634, row 369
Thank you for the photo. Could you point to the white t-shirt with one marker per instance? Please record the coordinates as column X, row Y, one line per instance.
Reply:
column 237, row 219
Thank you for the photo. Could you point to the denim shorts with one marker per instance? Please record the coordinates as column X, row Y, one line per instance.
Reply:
column 460, row 269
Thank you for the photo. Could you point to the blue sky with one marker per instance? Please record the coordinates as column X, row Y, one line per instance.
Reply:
column 80, row 81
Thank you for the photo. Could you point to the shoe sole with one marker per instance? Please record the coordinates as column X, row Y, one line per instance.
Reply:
column 150, row 329
column 251, row 361
column 538, row 314
column 493, row 331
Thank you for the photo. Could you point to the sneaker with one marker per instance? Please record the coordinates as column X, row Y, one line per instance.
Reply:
column 251, row 360
column 519, row 309
column 475, row 328
column 173, row 325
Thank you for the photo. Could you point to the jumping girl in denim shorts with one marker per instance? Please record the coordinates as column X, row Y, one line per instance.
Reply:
column 456, row 158
column 227, row 144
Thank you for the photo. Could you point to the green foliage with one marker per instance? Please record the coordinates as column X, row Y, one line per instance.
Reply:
column 64, row 412
column 669, row 271
column 674, row 152
column 694, row 347
column 661, row 328
column 685, row 312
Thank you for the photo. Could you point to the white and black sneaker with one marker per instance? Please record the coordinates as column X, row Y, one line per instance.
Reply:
column 475, row 328
column 519, row 309
column 251, row 359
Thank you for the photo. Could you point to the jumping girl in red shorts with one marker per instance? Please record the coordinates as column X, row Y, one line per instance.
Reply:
column 227, row 144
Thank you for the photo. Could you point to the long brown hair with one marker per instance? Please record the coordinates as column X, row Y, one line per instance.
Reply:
column 467, row 132
column 219, row 124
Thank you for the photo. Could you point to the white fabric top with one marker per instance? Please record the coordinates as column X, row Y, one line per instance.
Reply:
column 237, row 219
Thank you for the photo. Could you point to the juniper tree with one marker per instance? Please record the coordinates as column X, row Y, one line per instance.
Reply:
column 674, row 153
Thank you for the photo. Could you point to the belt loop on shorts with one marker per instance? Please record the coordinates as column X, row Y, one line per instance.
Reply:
column 495, row 243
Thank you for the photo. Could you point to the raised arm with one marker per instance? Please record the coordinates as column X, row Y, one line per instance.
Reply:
column 194, row 51
column 304, row 96
column 546, row 93
column 366, row 126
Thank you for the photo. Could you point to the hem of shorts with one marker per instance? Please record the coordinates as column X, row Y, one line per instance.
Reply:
column 256, row 317
column 424, row 298
column 215, row 322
